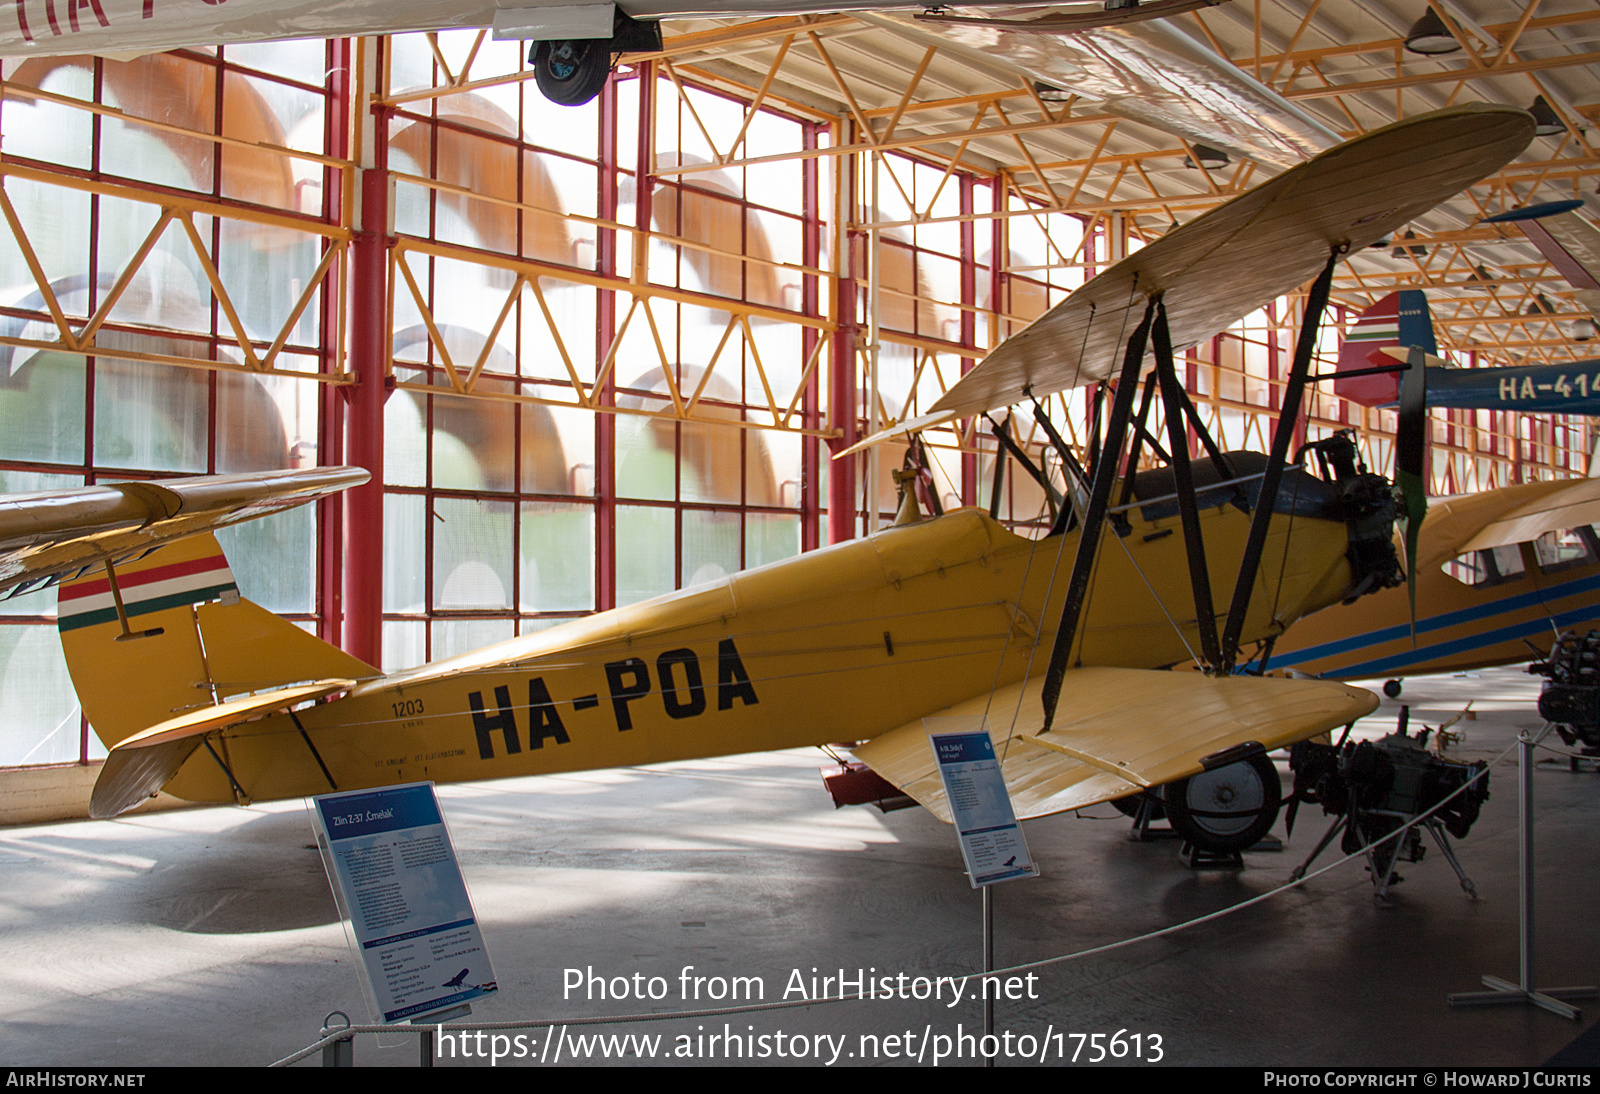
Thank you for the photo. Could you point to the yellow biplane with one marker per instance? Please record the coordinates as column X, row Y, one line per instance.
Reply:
column 953, row 616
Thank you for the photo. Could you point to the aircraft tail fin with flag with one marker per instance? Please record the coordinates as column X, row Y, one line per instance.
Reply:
column 168, row 635
column 1399, row 320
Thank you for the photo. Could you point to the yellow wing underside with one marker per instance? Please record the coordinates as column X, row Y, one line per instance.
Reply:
column 1116, row 731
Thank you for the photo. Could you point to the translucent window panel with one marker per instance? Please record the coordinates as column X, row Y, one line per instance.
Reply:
column 646, row 557
column 571, row 129
column 772, row 468
column 404, row 644
column 569, row 326
column 710, row 546
column 457, row 636
column 150, row 416
column 410, row 62
column 472, row 554
column 167, row 88
column 40, row 601
column 557, row 450
column 711, row 463
column 412, row 207
column 305, row 60
column 405, row 558
column 568, row 186
column 646, row 460
column 474, row 443
column 558, row 560
column 42, row 407
column 47, row 131
column 777, row 347
column 405, row 439
column 265, row 270
column 262, row 425
column 770, row 537
column 56, row 222
column 274, row 559
column 274, row 113
column 39, row 717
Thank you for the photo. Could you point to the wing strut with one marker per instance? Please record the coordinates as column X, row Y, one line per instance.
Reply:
column 1183, row 482
column 1282, row 437
column 1105, row 470
column 1003, row 435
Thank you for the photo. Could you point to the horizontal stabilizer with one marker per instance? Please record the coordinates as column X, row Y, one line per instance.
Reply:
column 55, row 534
column 142, row 764
column 1567, row 240
column 1118, row 731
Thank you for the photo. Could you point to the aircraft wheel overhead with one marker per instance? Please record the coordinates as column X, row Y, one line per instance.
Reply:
column 573, row 72
column 1226, row 809
column 1391, row 688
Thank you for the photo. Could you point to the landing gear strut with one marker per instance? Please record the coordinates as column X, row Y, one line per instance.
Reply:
column 572, row 71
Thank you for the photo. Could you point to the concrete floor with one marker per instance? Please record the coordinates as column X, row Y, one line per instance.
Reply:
column 208, row 936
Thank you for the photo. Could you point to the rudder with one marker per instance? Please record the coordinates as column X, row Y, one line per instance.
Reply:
column 208, row 642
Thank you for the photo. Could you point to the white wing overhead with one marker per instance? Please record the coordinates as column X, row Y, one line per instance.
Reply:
column 1220, row 267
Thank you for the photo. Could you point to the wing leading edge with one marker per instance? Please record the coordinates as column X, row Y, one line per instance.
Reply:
column 1116, row 732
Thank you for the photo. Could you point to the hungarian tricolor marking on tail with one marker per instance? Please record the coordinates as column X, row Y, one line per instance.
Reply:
column 1399, row 319
column 153, row 589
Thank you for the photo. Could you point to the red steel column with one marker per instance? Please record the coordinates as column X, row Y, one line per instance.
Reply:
column 810, row 304
column 967, row 484
column 363, row 531
column 842, row 364
column 605, row 424
column 330, row 429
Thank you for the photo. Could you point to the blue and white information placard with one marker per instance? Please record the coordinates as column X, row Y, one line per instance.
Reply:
column 400, row 888
column 991, row 838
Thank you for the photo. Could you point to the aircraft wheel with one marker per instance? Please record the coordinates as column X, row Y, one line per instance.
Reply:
column 573, row 72
column 1391, row 688
column 1129, row 806
column 1226, row 809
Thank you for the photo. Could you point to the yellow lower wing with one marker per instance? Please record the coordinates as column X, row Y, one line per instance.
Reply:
column 1116, row 732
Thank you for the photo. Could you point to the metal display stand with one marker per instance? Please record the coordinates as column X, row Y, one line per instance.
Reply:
column 1504, row 992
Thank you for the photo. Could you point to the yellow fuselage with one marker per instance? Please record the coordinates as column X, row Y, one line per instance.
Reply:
column 841, row 644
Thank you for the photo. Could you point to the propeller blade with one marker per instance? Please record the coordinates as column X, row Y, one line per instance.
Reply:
column 1410, row 455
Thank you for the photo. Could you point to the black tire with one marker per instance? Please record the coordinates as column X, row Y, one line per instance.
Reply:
column 573, row 72
column 1391, row 688
column 1227, row 809
column 1129, row 806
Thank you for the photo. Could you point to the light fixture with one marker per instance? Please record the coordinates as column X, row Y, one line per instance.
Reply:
column 1429, row 36
column 1417, row 250
column 1211, row 159
column 1481, row 280
column 1541, row 306
column 1378, row 244
column 1583, row 330
column 1048, row 93
column 1546, row 122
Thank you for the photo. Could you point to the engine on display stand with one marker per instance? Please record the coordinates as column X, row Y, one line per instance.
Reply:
column 1570, row 698
column 1376, row 788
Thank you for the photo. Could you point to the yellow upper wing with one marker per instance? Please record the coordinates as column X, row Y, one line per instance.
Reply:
column 1117, row 731
column 48, row 535
column 1222, row 266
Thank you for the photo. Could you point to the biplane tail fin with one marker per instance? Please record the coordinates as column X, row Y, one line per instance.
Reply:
column 1400, row 320
column 157, row 637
